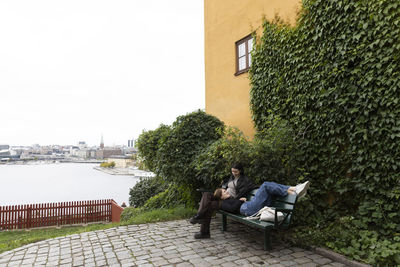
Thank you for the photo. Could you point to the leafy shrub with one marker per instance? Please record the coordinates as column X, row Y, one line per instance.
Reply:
column 145, row 189
column 173, row 196
column 213, row 164
column 188, row 136
column 138, row 215
column 343, row 237
column 148, row 144
column 335, row 78
column 266, row 158
column 107, row 164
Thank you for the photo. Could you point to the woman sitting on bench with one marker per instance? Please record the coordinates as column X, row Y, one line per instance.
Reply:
column 262, row 198
column 238, row 186
column 233, row 197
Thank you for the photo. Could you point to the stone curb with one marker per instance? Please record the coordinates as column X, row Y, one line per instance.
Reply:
column 338, row 257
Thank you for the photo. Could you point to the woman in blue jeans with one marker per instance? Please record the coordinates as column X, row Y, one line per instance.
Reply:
column 262, row 198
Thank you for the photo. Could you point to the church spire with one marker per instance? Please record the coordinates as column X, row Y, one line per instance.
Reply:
column 102, row 142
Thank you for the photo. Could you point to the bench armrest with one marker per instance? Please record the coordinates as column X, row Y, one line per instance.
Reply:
column 283, row 210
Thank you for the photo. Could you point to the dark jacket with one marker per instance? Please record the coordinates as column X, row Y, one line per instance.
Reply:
column 231, row 205
column 243, row 187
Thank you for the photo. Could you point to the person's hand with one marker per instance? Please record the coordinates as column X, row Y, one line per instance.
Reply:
column 243, row 199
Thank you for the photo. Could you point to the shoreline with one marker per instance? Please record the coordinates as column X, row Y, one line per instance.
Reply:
column 129, row 171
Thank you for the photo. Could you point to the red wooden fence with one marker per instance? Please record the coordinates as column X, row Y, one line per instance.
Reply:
column 62, row 213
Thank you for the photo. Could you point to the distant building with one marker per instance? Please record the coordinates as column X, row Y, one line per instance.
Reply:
column 82, row 144
column 106, row 153
column 131, row 143
column 121, row 161
column 4, row 147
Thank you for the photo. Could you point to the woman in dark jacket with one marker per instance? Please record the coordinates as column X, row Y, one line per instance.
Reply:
column 238, row 186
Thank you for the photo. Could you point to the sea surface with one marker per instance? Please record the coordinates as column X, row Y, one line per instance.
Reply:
column 47, row 183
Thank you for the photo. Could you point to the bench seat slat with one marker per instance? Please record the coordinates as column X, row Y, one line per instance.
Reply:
column 255, row 223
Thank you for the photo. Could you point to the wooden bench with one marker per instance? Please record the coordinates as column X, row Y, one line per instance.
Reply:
column 284, row 204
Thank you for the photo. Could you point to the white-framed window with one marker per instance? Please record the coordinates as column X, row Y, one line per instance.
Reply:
column 243, row 54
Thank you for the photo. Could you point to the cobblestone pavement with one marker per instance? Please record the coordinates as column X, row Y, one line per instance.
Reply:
column 162, row 244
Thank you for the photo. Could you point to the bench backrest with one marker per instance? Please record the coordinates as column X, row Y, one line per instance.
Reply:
column 288, row 202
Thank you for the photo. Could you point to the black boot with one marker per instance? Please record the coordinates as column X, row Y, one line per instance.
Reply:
column 201, row 235
column 196, row 219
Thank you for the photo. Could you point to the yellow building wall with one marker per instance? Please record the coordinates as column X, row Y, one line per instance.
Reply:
column 226, row 22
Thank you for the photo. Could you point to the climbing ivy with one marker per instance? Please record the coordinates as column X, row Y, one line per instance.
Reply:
column 335, row 78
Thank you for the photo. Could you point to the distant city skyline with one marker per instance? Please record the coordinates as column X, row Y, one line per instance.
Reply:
column 73, row 70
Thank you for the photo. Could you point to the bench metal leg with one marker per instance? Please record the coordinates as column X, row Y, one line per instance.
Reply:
column 224, row 222
column 267, row 240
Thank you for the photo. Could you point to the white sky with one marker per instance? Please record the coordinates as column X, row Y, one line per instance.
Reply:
column 73, row 70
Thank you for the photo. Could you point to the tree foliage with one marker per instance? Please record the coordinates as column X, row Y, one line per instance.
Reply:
column 148, row 144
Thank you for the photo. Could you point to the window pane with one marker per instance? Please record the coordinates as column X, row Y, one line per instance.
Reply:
column 242, row 49
column 250, row 44
column 249, row 60
column 242, row 63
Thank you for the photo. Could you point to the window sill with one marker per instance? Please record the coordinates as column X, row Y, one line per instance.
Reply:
column 241, row 72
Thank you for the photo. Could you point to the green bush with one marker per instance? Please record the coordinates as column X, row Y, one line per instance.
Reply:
column 335, row 78
column 189, row 135
column 213, row 164
column 138, row 215
column 173, row 196
column 148, row 144
column 265, row 158
column 107, row 164
column 343, row 237
column 145, row 189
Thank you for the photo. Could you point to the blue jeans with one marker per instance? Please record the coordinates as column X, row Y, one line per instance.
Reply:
column 263, row 197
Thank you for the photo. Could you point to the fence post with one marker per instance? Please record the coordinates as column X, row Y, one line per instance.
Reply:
column 116, row 211
column 29, row 215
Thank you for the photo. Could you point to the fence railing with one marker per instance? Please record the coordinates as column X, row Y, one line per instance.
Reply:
column 57, row 214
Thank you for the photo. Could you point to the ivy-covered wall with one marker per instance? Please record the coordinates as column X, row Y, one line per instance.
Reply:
column 335, row 78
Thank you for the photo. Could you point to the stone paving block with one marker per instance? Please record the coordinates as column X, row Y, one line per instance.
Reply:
column 184, row 264
column 229, row 264
column 254, row 259
column 175, row 260
column 337, row 264
column 322, row 261
column 302, row 260
column 165, row 244
column 288, row 263
column 160, row 262
column 309, row 264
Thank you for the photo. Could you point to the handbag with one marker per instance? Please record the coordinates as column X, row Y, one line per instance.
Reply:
column 257, row 215
column 268, row 215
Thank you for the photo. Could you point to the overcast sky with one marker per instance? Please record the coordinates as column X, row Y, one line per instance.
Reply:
column 73, row 70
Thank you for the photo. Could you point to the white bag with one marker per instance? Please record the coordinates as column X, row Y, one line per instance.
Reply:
column 268, row 215
column 257, row 215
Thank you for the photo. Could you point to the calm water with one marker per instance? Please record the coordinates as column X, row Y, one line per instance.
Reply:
column 29, row 184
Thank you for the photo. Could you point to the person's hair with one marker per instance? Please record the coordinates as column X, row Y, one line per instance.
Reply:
column 239, row 167
column 218, row 194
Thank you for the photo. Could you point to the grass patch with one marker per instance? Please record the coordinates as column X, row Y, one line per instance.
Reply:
column 14, row 239
column 139, row 216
